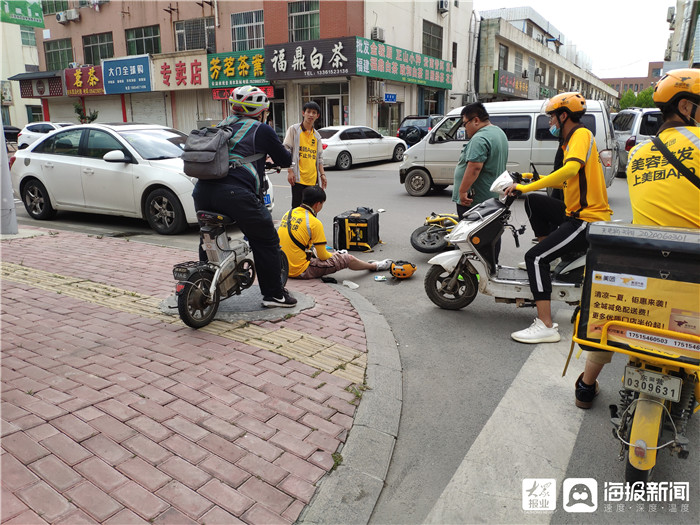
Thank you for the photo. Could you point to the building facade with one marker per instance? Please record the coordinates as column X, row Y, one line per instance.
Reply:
column 523, row 56
column 19, row 55
column 636, row 84
column 174, row 63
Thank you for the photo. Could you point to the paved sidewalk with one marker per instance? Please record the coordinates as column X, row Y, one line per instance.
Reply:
column 116, row 412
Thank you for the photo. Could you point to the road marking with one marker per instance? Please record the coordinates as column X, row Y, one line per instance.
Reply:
column 531, row 434
column 322, row 354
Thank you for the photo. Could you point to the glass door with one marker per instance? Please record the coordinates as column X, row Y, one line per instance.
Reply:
column 334, row 115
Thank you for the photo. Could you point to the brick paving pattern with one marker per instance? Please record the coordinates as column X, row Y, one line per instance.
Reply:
column 115, row 413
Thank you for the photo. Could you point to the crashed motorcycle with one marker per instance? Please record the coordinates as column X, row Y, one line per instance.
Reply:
column 641, row 298
column 430, row 238
column 457, row 276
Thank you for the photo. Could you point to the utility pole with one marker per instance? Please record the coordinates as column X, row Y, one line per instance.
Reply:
column 8, row 217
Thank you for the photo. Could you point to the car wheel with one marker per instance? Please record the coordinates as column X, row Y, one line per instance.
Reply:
column 344, row 160
column 164, row 212
column 36, row 201
column 399, row 150
column 417, row 183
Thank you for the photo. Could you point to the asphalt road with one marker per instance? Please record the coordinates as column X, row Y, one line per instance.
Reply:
column 480, row 411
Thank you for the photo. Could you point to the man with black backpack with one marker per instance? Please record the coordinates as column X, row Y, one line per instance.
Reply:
column 240, row 193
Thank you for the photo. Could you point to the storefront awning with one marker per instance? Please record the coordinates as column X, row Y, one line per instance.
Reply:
column 37, row 75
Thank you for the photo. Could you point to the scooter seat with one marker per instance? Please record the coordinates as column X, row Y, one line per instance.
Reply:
column 213, row 218
column 486, row 208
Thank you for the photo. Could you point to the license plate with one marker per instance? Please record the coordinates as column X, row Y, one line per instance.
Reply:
column 653, row 383
column 268, row 200
column 180, row 274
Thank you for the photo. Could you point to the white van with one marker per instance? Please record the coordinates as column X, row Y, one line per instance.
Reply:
column 431, row 163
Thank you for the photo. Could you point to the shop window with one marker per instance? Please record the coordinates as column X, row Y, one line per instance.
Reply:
column 304, row 20
column 34, row 114
column 142, row 40
column 53, row 6
column 28, row 36
column 6, row 115
column 502, row 57
column 197, row 33
column 247, row 30
column 59, row 53
column 97, row 47
column 389, row 118
column 432, row 39
column 518, row 63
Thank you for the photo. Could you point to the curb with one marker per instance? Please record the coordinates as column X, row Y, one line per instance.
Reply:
column 350, row 494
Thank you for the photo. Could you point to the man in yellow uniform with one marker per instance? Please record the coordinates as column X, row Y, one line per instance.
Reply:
column 303, row 231
column 659, row 193
column 585, row 201
column 307, row 151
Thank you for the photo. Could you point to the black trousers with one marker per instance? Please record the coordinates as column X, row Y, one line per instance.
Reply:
column 569, row 237
column 254, row 220
column 545, row 213
column 297, row 190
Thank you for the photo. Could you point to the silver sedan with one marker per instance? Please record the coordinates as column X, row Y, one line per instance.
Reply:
column 344, row 146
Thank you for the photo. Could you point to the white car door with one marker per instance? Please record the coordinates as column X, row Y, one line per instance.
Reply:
column 379, row 148
column 355, row 142
column 108, row 186
column 60, row 167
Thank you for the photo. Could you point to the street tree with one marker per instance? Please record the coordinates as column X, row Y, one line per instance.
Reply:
column 645, row 98
column 628, row 99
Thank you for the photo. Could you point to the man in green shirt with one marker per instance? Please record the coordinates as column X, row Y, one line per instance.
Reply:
column 483, row 158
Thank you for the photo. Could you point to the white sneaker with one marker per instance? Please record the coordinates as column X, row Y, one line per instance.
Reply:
column 537, row 332
column 382, row 265
column 553, row 264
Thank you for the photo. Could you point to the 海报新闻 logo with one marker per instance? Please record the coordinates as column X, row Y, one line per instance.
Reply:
column 580, row 495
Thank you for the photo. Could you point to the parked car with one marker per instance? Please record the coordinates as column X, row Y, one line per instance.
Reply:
column 10, row 132
column 414, row 127
column 344, row 146
column 634, row 126
column 431, row 163
column 35, row 130
column 130, row 170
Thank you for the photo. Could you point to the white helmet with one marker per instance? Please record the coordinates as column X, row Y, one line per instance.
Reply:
column 248, row 101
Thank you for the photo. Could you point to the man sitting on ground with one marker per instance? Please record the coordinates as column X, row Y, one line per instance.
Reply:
column 300, row 231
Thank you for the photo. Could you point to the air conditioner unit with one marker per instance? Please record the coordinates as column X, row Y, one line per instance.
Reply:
column 61, row 17
column 72, row 65
column 378, row 34
column 443, row 6
column 72, row 14
column 373, row 89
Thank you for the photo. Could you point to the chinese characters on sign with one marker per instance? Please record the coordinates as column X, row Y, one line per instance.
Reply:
column 240, row 68
column 127, row 75
column 175, row 71
column 317, row 58
column 84, row 81
column 510, row 84
column 376, row 59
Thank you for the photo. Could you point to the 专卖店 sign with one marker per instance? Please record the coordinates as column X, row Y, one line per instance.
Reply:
column 83, row 81
column 127, row 75
column 241, row 68
column 311, row 59
column 181, row 70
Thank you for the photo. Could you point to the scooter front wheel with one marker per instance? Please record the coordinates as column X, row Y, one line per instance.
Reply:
column 195, row 306
column 429, row 239
column 450, row 295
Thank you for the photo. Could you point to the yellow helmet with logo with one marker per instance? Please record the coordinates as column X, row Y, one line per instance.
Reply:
column 402, row 269
column 677, row 84
column 572, row 102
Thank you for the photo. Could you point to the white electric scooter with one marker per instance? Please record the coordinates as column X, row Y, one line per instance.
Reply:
column 456, row 276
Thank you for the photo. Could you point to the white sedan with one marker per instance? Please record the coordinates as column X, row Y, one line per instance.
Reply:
column 131, row 170
column 38, row 130
column 344, row 146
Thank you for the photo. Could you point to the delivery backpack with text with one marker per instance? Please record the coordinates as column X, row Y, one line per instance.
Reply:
column 356, row 230
column 207, row 153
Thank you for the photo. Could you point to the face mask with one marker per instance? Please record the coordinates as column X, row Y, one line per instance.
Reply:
column 554, row 130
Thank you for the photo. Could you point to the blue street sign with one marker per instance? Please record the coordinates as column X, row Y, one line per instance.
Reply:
column 390, row 97
column 127, row 75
